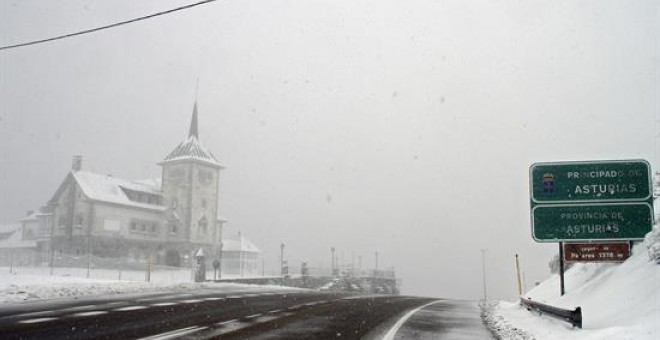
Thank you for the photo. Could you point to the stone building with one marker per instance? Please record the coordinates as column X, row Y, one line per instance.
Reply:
column 161, row 220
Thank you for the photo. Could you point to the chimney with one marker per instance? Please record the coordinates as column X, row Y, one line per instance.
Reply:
column 76, row 165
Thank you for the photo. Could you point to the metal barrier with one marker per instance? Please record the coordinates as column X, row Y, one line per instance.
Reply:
column 574, row 317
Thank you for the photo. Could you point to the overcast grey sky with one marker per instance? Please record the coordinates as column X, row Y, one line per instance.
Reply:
column 405, row 127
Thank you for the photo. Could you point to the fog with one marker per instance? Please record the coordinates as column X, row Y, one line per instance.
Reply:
column 403, row 127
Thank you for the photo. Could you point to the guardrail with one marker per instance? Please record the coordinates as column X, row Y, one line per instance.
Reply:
column 574, row 317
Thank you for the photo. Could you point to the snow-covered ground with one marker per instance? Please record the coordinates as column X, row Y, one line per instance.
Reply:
column 619, row 301
column 35, row 283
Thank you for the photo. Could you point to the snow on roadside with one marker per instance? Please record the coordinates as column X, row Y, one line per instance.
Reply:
column 31, row 284
column 499, row 326
column 619, row 301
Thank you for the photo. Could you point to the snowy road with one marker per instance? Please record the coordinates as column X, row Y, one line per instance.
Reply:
column 261, row 315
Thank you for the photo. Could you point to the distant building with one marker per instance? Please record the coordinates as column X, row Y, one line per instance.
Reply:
column 162, row 220
column 240, row 257
column 14, row 248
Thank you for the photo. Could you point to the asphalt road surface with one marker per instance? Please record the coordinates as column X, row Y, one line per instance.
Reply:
column 244, row 315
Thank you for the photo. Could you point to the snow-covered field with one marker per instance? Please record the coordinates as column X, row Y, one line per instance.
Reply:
column 36, row 283
column 619, row 301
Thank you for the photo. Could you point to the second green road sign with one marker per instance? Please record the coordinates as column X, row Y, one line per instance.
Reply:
column 584, row 222
column 585, row 201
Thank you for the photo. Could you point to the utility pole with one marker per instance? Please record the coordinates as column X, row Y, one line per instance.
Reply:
column 222, row 245
column 282, row 259
column 483, row 266
column 332, row 270
column 352, row 263
column 376, row 260
column 89, row 252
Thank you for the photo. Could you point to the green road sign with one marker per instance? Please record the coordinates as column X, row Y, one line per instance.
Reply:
column 584, row 182
column 584, row 222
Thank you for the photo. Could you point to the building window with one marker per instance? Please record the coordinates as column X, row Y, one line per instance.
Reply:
column 144, row 226
column 203, row 223
column 79, row 221
column 174, row 228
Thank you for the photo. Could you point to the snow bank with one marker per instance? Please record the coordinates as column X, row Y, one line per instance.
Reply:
column 619, row 301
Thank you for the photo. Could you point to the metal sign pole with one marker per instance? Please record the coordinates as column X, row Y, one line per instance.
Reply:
column 561, row 268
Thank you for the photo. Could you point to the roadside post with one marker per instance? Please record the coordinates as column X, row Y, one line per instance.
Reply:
column 592, row 202
column 200, row 267
column 518, row 276
column 216, row 265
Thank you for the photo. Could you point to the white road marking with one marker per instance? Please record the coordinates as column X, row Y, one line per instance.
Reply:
column 37, row 320
column 92, row 313
column 214, row 299
column 164, row 304
column 124, row 309
column 276, row 311
column 266, row 318
column 175, row 333
column 43, row 312
column 191, row 301
column 392, row 332
column 164, row 297
column 79, row 308
column 226, row 322
column 252, row 316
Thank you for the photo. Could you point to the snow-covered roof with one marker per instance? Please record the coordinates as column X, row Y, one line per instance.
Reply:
column 31, row 217
column 191, row 148
column 154, row 183
column 239, row 243
column 11, row 236
column 106, row 188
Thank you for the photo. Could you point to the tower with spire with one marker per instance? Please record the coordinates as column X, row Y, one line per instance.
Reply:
column 190, row 188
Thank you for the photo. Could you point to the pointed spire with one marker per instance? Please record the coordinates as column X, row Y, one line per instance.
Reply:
column 193, row 123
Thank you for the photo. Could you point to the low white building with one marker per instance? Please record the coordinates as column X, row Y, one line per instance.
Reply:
column 240, row 257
